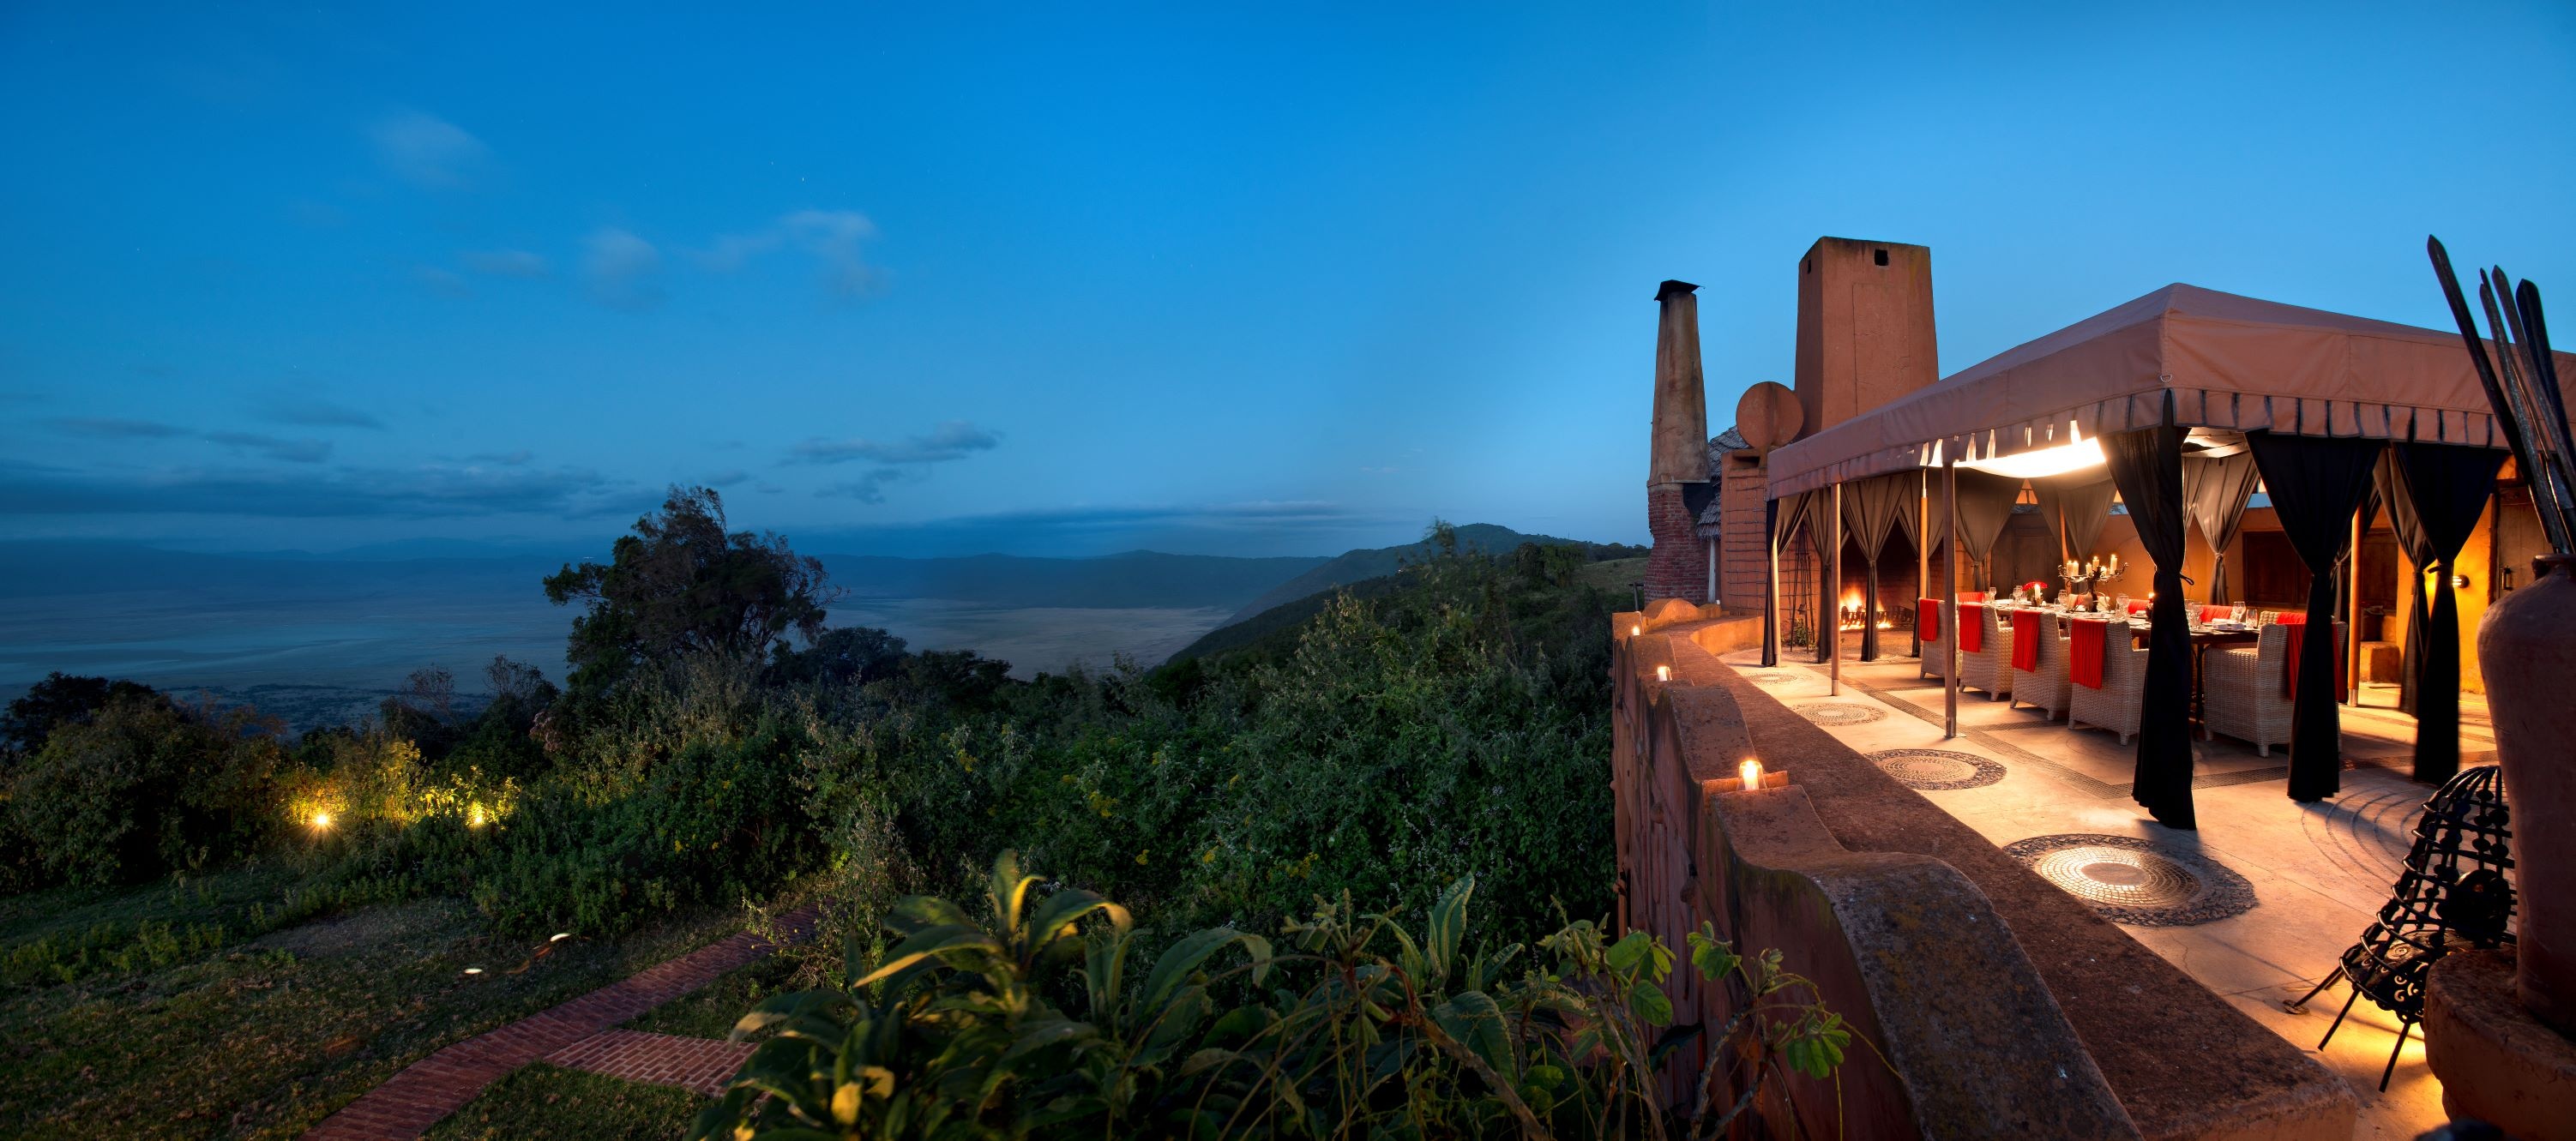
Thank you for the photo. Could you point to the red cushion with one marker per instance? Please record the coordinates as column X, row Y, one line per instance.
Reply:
column 2214, row 613
column 2290, row 659
column 2141, row 606
column 1972, row 627
column 1927, row 618
column 2084, row 651
column 2026, row 638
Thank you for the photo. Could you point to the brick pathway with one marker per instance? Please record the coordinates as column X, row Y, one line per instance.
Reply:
column 700, row 1064
column 426, row 1091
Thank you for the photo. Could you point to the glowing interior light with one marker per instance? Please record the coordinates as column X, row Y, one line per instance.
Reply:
column 474, row 817
column 1752, row 771
column 473, row 970
column 321, row 819
column 1663, row 673
column 2074, row 455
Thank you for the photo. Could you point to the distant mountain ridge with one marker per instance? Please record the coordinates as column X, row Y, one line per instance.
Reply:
column 1132, row 578
column 1360, row 565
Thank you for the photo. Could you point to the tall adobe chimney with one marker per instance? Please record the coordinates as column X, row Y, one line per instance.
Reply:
column 1864, row 328
column 1677, row 481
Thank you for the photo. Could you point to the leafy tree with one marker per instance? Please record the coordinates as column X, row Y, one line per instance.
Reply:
column 850, row 655
column 60, row 699
column 682, row 585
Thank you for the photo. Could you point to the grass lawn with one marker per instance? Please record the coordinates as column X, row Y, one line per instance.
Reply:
column 1614, row 575
column 549, row 1101
column 231, row 1032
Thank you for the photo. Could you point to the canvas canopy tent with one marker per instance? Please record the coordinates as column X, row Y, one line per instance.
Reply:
column 2224, row 361
column 2177, row 359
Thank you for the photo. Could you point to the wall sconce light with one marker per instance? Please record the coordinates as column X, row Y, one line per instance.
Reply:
column 1752, row 770
column 1663, row 673
column 2459, row 582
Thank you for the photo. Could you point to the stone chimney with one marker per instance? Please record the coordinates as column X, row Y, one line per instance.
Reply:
column 1677, row 480
column 1864, row 328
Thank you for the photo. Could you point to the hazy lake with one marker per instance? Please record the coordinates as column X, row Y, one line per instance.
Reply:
column 308, row 656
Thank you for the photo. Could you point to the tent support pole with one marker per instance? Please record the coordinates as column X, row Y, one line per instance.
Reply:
column 1949, row 606
column 2351, row 648
column 1922, row 554
column 1770, row 583
column 1834, row 671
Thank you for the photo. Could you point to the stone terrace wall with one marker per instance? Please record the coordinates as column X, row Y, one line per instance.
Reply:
column 2003, row 1006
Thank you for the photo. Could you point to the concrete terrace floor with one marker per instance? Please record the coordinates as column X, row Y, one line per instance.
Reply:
column 2319, row 871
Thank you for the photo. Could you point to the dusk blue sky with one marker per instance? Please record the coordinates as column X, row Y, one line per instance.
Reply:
column 1072, row 279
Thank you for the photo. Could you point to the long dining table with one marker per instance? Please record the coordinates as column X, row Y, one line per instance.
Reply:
column 2204, row 635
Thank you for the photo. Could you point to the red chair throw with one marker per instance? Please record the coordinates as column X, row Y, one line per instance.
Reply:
column 2209, row 614
column 2084, row 651
column 2141, row 606
column 1972, row 627
column 2026, row 638
column 2290, row 660
column 1927, row 617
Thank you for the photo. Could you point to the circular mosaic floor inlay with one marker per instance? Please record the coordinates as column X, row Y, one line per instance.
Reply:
column 1840, row 713
column 1774, row 677
column 1937, row 769
column 2129, row 880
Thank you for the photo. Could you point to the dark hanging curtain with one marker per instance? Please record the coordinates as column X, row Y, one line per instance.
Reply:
column 1817, row 515
column 1909, row 521
column 2075, row 509
column 2215, row 491
column 1985, row 505
column 2316, row 484
column 1785, row 515
column 2447, row 487
column 1870, row 509
column 2147, row 466
column 2418, row 548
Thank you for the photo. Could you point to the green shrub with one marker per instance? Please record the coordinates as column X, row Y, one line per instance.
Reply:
column 1040, row 1018
column 144, row 787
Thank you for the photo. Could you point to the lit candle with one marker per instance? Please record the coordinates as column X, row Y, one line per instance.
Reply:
column 1752, row 771
column 1634, row 630
column 1663, row 673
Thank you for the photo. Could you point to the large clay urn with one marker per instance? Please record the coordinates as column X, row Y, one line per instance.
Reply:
column 2527, row 650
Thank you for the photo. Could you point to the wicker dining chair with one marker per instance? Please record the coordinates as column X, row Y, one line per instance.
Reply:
column 2045, row 686
column 1989, row 667
column 2241, row 688
column 1946, row 625
column 2124, row 686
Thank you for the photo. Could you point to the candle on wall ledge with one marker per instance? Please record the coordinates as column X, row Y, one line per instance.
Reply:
column 1634, row 629
column 1663, row 673
column 1751, row 770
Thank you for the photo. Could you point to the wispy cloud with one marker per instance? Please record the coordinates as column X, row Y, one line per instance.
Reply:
column 727, row 478
column 426, row 150
column 506, row 263
column 953, row 440
column 869, row 488
column 116, row 428
column 505, row 459
column 314, row 412
column 272, row 447
column 831, row 237
column 290, row 451
column 443, row 282
column 426, row 491
column 622, row 269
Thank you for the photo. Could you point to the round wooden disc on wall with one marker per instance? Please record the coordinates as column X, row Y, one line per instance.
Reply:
column 1768, row 416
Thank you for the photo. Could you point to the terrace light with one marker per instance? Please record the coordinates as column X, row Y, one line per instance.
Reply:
column 1751, row 770
column 2039, row 463
column 1663, row 673
column 321, row 820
